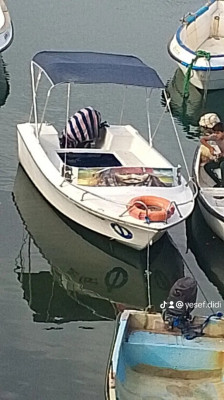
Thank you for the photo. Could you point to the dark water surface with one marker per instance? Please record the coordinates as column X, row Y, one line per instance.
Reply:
column 61, row 286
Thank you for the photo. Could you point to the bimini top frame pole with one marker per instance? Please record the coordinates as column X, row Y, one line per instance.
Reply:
column 148, row 94
column 34, row 110
column 34, row 90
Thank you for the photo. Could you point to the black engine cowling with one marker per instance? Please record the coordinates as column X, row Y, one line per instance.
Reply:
column 181, row 300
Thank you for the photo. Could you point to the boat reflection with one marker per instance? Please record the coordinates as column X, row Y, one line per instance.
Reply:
column 189, row 110
column 207, row 248
column 4, row 82
column 89, row 276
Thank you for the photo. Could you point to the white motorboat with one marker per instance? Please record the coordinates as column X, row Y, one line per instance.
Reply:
column 120, row 186
column 6, row 27
column 210, row 198
column 197, row 46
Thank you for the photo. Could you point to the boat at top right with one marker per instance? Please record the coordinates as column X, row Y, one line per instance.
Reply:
column 6, row 27
column 198, row 46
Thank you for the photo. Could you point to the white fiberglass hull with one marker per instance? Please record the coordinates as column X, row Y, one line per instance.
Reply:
column 206, row 80
column 214, row 220
column 99, row 223
column 198, row 44
column 103, row 215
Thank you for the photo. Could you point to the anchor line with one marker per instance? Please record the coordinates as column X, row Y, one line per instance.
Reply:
column 147, row 271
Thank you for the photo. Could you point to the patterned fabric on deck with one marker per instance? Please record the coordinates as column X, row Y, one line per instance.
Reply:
column 81, row 127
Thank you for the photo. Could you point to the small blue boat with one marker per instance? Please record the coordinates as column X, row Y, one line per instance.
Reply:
column 150, row 360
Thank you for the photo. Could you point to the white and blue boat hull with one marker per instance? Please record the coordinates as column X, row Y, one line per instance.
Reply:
column 149, row 362
column 198, row 44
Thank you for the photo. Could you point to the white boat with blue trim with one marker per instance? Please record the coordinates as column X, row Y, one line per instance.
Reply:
column 198, row 45
column 115, row 182
column 6, row 27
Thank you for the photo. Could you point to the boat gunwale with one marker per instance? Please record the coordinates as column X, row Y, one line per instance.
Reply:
column 109, row 390
column 208, row 208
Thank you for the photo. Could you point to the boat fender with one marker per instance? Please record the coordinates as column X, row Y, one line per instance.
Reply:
column 201, row 11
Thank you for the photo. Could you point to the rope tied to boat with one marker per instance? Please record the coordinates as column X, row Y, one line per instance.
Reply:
column 147, row 270
column 198, row 54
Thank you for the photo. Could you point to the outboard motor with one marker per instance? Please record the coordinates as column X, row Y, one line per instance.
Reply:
column 178, row 307
column 180, row 302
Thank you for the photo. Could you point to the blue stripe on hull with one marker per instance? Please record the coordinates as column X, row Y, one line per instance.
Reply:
column 175, row 352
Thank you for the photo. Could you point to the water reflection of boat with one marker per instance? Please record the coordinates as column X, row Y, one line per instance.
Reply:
column 95, row 272
column 207, row 248
column 4, row 82
column 189, row 110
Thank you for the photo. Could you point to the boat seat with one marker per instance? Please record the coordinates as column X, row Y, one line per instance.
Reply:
column 49, row 137
column 50, row 142
column 129, row 159
column 118, row 137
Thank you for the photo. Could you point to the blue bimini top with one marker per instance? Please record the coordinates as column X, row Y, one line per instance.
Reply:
column 91, row 67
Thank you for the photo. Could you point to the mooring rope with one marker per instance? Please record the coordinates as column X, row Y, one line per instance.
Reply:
column 198, row 54
column 176, row 133
column 147, row 271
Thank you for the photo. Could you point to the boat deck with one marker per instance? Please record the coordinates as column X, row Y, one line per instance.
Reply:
column 129, row 147
column 143, row 383
column 213, row 45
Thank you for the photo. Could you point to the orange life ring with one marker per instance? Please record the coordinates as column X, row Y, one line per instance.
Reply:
column 158, row 208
